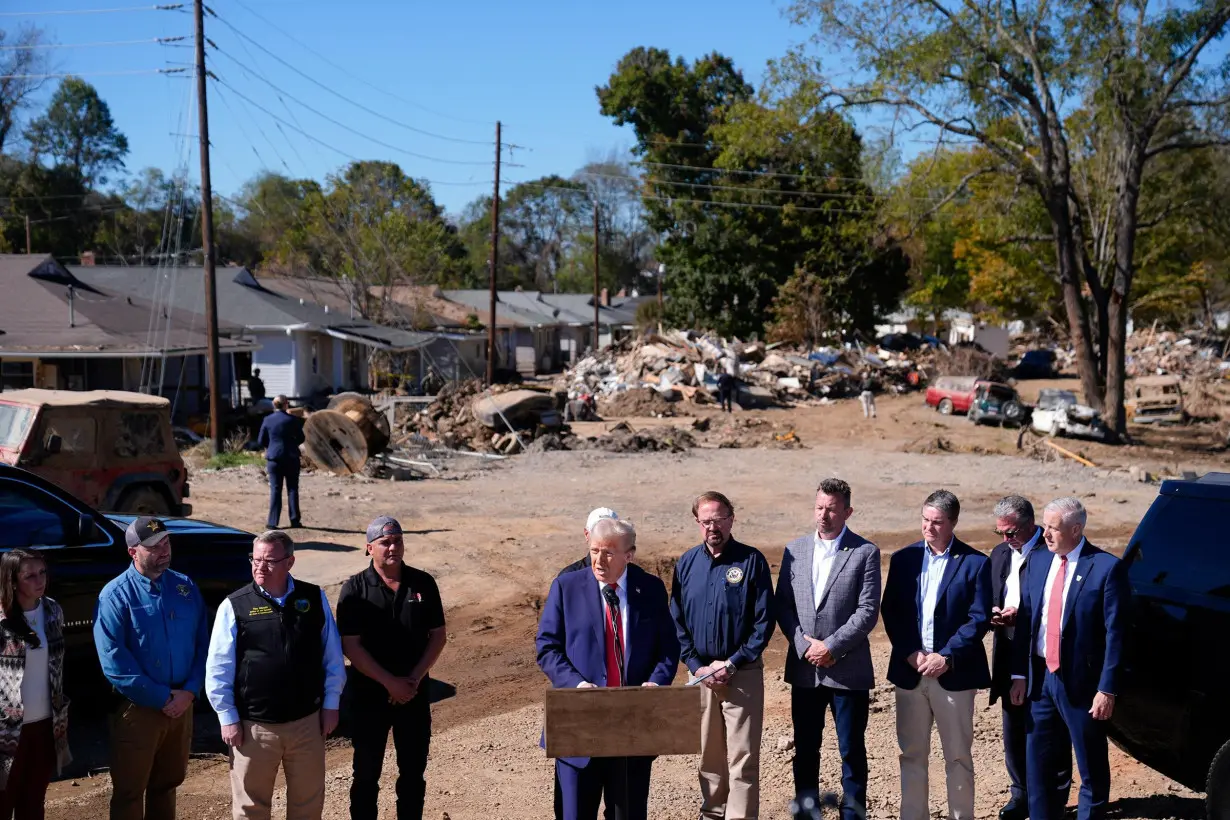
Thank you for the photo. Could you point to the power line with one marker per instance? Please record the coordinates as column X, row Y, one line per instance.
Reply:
column 351, row 74
column 790, row 207
column 776, row 174
column 345, row 127
column 158, row 40
column 92, row 74
column 321, row 142
column 337, row 94
column 165, row 7
column 745, row 189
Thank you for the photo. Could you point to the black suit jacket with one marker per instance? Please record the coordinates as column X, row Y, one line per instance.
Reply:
column 1001, row 646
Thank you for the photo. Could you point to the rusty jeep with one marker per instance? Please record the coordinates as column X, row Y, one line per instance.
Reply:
column 1156, row 399
column 112, row 449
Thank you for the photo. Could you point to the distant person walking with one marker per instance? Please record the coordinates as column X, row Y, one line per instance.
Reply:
column 256, row 387
column 867, row 398
column 33, row 709
column 280, row 436
column 726, row 383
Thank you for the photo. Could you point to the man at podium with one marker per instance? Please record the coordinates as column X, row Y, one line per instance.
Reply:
column 611, row 627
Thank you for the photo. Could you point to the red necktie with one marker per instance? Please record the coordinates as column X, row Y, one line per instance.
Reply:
column 614, row 672
column 1054, row 616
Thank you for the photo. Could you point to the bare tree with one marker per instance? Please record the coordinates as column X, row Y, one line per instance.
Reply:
column 24, row 54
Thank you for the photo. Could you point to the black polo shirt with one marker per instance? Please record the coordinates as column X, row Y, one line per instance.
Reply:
column 392, row 628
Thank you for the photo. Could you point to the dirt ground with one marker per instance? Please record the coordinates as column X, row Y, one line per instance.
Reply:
column 495, row 533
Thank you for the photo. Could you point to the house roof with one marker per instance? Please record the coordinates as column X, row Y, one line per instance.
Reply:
column 50, row 313
column 533, row 308
column 333, row 292
column 243, row 301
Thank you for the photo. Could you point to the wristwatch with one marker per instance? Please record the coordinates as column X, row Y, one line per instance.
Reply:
column 731, row 667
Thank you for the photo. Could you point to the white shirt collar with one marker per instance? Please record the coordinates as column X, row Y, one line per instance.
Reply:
column 947, row 550
column 821, row 541
column 1075, row 553
column 622, row 583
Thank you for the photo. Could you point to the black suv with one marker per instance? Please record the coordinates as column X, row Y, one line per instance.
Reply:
column 85, row 549
column 1172, row 713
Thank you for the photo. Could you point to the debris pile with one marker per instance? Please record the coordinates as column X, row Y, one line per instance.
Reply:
column 668, row 374
column 1194, row 355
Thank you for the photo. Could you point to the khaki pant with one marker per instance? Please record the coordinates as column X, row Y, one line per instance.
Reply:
column 953, row 714
column 149, row 759
column 299, row 748
column 731, row 725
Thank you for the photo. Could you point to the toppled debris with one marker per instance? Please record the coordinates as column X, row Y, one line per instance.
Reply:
column 623, row 439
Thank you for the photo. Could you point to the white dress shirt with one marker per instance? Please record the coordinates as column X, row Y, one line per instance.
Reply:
column 822, row 557
column 1012, row 587
column 220, row 662
column 929, row 590
column 621, row 591
column 1073, row 556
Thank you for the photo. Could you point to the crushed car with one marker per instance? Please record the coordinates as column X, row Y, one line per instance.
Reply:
column 1156, row 400
column 1060, row 413
column 996, row 403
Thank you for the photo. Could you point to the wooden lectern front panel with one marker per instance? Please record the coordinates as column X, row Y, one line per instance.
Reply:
column 625, row 721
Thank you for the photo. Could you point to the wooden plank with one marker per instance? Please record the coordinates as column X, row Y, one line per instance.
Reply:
column 1068, row 453
column 629, row 720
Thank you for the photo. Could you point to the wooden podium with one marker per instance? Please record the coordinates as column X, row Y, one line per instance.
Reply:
column 624, row 721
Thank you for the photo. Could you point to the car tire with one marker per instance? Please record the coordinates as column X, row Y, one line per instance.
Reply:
column 144, row 501
column 1013, row 412
column 944, row 407
column 1217, row 789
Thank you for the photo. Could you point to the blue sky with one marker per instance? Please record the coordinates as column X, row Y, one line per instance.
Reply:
column 457, row 67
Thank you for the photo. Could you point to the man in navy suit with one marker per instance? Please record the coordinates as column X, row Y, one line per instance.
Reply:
column 936, row 610
column 611, row 627
column 280, row 436
column 1014, row 522
column 1073, row 615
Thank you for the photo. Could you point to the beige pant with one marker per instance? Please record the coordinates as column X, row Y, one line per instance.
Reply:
column 300, row 749
column 730, row 730
column 953, row 715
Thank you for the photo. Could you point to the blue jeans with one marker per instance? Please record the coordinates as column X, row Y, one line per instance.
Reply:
column 850, row 708
column 283, row 472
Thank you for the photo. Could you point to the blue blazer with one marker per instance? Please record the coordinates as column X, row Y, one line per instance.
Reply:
column 572, row 638
column 962, row 617
column 280, row 436
column 1094, row 625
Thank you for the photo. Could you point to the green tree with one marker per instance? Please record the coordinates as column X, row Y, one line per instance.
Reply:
column 1006, row 76
column 77, row 132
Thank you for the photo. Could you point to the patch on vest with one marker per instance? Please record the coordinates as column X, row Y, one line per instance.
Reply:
column 734, row 575
column 263, row 609
column 303, row 605
column 182, row 589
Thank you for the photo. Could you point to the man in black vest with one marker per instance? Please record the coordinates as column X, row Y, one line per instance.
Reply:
column 274, row 675
column 392, row 625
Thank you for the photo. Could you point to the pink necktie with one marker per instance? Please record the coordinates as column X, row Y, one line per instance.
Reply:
column 1054, row 616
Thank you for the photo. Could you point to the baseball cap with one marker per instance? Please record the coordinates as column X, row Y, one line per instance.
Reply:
column 145, row 531
column 382, row 526
column 599, row 514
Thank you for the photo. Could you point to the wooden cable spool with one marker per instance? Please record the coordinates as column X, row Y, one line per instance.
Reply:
column 335, row 443
column 373, row 425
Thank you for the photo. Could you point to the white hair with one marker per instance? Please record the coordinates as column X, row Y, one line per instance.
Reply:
column 1071, row 510
column 276, row 537
column 613, row 528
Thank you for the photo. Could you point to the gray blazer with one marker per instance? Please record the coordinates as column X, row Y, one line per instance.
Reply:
column 847, row 613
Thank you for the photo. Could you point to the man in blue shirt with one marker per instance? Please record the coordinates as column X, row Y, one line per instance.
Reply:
column 722, row 603
column 280, row 436
column 151, row 633
column 275, row 675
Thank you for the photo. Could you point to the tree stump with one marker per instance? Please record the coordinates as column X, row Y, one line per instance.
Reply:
column 335, row 443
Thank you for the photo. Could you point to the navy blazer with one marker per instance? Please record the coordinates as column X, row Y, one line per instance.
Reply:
column 280, row 436
column 1094, row 623
column 572, row 634
column 962, row 617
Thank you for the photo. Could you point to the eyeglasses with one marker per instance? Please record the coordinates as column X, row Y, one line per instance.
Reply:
column 1006, row 534
column 713, row 523
column 267, row 563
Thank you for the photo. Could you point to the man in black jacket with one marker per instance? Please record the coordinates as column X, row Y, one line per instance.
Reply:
column 1014, row 522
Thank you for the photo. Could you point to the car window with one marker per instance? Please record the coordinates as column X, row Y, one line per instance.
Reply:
column 1003, row 393
column 29, row 518
column 140, row 434
column 1182, row 544
column 14, row 419
column 78, row 434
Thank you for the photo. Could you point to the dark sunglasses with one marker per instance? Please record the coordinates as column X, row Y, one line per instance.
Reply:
column 1008, row 533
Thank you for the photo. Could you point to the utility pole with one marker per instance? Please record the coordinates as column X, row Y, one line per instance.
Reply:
column 207, row 236
column 495, row 260
column 27, row 235
column 596, row 298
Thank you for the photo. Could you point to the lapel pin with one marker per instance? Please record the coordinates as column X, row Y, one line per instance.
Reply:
column 1079, row 578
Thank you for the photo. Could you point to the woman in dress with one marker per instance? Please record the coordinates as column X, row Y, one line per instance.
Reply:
column 33, row 709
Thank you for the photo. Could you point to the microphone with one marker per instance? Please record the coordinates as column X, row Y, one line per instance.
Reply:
column 612, row 597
